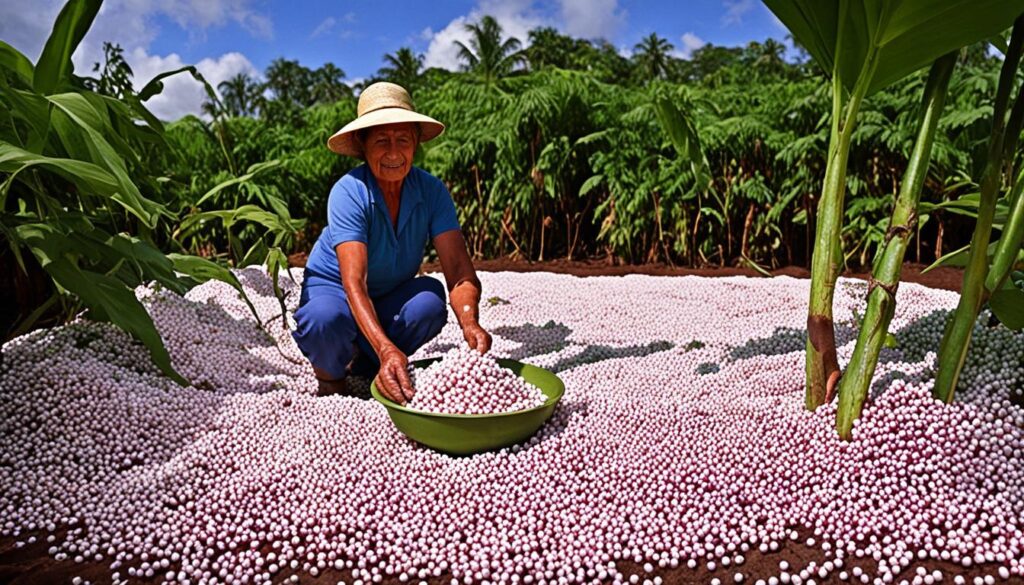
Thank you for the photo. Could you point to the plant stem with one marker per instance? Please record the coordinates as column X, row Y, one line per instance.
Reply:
column 821, row 362
column 1009, row 242
column 853, row 388
column 957, row 336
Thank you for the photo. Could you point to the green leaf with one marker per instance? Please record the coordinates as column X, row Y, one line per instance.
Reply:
column 149, row 263
column 257, row 254
column 14, row 61
column 955, row 258
column 276, row 261
column 203, row 270
column 108, row 299
column 156, row 86
column 54, row 67
column 80, row 130
column 591, row 184
column 1007, row 305
column 85, row 175
column 33, row 109
column 908, row 34
column 251, row 213
column 683, row 134
column 254, row 171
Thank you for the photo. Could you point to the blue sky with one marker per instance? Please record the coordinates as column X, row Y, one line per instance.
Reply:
column 225, row 37
column 355, row 35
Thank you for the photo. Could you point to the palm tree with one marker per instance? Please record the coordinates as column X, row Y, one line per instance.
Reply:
column 548, row 48
column 768, row 57
column 487, row 55
column 289, row 81
column 238, row 94
column 328, row 86
column 653, row 55
column 403, row 68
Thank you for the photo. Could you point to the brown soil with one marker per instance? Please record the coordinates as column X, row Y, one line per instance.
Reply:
column 31, row 565
column 943, row 278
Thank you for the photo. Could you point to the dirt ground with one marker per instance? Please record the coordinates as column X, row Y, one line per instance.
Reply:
column 30, row 563
column 943, row 278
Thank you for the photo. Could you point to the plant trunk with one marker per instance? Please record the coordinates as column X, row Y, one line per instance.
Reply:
column 957, row 336
column 821, row 363
column 744, row 251
column 885, row 277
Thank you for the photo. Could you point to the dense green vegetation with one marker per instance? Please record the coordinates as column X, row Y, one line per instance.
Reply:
column 558, row 150
column 562, row 149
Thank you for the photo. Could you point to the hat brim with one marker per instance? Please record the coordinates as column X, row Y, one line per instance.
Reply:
column 344, row 141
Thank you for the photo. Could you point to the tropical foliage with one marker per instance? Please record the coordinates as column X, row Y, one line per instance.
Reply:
column 866, row 46
column 563, row 149
column 86, row 211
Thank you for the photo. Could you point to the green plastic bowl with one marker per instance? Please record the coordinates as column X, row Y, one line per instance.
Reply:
column 464, row 434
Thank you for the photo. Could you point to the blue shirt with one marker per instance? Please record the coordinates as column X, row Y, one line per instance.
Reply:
column 356, row 212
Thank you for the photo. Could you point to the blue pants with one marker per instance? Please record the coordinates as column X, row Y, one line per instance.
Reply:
column 326, row 332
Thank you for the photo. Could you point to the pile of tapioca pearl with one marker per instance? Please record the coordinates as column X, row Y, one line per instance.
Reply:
column 249, row 477
column 468, row 382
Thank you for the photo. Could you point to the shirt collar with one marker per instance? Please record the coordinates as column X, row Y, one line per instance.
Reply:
column 411, row 195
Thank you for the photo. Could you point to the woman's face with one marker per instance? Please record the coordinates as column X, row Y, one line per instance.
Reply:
column 389, row 150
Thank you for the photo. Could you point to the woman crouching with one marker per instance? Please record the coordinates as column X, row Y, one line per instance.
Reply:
column 363, row 310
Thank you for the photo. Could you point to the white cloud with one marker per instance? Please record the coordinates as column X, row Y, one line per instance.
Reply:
column 324, row 27
column 516, row 17
column 735, row 10
column 182, row 94
column 442, row 51
column 592, row 19
column 207, row 13
column 690, row 43
column 581, row 18
column 26, row 24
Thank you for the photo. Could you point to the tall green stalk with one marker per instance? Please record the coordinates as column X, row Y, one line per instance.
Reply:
column 853, row 388
column 1009, row 243
column 826, row 262
column 957, row 336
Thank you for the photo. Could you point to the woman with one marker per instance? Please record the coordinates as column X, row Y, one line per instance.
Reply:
column 362, row 307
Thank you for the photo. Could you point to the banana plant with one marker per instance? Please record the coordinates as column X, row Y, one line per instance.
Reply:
column 885, row 277
column 864, row 46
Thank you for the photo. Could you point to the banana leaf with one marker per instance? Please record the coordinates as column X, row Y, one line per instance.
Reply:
column 909, row 34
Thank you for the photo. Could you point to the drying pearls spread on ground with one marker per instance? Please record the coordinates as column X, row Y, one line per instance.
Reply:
column 467, row 382
column 681, row 436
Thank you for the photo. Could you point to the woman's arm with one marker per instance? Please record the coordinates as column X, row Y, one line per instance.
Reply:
column 463, row 287
column 393, row 378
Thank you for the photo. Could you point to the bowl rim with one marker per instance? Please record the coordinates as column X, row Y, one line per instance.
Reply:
column 391, row 404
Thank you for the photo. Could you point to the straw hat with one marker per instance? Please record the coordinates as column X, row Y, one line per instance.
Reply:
column 382, row 103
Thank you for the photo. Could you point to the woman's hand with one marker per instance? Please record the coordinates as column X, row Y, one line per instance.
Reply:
column 393, row 377
column 476, row 337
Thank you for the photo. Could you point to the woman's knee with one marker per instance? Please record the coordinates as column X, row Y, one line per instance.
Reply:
column 325, row 332
column 428, row 305
column 326, row 316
